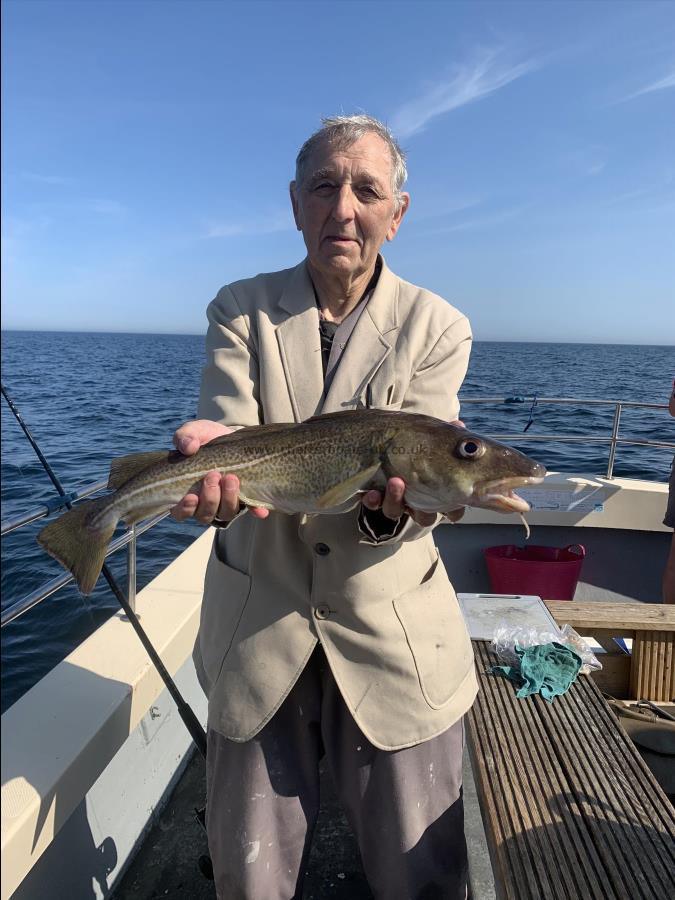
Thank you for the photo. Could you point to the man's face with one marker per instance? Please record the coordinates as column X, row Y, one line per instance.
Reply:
column 345, row 206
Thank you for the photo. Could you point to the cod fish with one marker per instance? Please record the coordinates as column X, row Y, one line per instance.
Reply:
column 319, row 466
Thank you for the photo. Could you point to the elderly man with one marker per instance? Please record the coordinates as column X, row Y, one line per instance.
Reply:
column 336, row 635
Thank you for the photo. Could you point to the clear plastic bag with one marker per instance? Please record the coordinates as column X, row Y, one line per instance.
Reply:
column 506, row 637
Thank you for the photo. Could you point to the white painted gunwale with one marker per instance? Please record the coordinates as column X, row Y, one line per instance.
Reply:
column 628, row 504
column 62, row 734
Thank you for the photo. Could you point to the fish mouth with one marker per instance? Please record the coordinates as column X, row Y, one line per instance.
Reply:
column 500, row 495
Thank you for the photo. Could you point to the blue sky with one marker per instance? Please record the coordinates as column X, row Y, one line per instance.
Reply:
column 147, row 149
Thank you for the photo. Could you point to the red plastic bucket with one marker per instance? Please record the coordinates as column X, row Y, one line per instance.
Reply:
column 548, row 572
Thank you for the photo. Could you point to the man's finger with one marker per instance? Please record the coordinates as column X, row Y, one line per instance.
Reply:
column 209, row 498
column 229, row 503
column 192, row 435
column 185, row 509
column 392, row 505
column 372, row 499
column 187, row 444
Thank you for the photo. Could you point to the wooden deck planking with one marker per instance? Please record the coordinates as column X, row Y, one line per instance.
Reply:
column 571, row 810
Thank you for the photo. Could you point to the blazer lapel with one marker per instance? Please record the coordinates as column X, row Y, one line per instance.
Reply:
column 299, row 345
column 367, row 347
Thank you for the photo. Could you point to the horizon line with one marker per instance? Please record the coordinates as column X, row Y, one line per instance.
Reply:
column 203, row 335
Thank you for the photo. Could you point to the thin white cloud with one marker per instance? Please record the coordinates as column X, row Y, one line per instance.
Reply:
column 264, row 225
column 587, row 161
column 107, row 207
column 15, row 227
column 46, row 179
column 17, row 234
column 662, row 84
column 440, row 211
column 629, row 196
column 489, row 220
column 486, row 73
column 595, row 168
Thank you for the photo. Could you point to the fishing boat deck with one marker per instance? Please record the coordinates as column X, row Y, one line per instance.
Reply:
column 543, row 782
column 82, row 776
column 571, row 808
column 166, row 865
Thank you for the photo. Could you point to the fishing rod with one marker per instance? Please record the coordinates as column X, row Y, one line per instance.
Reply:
column 185, row 711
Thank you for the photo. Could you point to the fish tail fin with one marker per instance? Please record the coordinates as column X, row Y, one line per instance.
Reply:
column 79, row 540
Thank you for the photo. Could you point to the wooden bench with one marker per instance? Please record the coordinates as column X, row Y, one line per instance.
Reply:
column 570, row 810
column 649, row 672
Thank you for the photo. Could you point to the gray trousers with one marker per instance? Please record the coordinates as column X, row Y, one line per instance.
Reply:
column 405, row 806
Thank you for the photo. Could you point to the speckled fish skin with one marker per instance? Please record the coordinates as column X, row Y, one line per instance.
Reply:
column 317, row 466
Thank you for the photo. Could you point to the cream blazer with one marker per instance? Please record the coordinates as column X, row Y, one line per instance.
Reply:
column 385, row 613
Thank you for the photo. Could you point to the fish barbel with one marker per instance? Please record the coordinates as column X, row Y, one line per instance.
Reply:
column 319, row 466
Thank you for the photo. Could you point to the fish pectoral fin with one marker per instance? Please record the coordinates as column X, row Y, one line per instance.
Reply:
column 341, row 492
column 256, row 501
column 124, row 468
column 143, row 512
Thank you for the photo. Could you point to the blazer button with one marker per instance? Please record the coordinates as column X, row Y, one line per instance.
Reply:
column 322, row 612
column 322, row 549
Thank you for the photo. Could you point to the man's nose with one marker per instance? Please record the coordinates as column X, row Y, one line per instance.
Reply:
column 345, row 204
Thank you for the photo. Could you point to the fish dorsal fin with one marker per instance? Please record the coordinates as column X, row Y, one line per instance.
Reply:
column 397, row 416
column 342, row 492
column 338, row 414
column 124, row 468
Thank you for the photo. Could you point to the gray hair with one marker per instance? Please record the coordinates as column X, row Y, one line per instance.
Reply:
column 342, row 132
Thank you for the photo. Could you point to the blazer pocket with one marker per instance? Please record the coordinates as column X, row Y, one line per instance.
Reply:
column 382, row 398
column 226, row 593
column 436, row 634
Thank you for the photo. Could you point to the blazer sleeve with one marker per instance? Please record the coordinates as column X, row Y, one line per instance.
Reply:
column 433, row 390
column 229, row 388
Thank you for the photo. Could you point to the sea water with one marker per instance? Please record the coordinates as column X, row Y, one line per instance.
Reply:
column 90, row 397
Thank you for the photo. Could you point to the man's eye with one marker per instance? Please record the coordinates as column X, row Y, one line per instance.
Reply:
column 368, row 192
column 323, row 188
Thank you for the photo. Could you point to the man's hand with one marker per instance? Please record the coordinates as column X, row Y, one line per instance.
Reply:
column 218, row 495
column 393, row 505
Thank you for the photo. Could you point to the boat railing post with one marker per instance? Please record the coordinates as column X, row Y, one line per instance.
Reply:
column 615, row 435
column 131, row 569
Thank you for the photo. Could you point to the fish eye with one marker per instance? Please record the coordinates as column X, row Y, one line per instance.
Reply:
column 471, row 449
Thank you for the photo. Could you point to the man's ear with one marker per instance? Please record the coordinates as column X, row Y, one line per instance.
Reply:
column 292, row 189
column 398, row 216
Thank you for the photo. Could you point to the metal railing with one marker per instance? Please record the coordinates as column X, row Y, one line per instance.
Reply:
column 613, row 440
column 48, row 508
column 129, row 539
column 19, row 607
